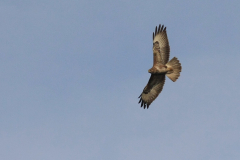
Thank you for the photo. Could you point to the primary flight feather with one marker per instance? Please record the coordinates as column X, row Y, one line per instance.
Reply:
column 161, row 67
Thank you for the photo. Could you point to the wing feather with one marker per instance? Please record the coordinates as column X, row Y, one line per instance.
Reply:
column 160, row 35
column 152, row 89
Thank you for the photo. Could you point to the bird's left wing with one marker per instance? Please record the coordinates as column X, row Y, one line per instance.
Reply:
column 152, row 90
column 160, row 36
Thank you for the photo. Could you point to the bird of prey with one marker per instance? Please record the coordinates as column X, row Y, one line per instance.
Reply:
column 161, row 67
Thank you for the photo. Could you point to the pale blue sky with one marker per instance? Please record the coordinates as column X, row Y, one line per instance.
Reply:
column 71, row 72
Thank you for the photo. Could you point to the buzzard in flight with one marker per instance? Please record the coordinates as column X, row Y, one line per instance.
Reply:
column 161, row 67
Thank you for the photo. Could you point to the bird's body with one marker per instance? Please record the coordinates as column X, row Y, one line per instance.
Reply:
column 161, row 67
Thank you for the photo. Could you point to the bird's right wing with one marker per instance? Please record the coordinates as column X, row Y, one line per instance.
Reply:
column 152, row 89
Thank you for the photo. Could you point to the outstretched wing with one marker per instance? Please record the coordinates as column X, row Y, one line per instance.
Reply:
column 160, row 35
column 152, row 89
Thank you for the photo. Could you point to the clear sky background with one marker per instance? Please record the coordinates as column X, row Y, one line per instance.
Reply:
column 71, row 72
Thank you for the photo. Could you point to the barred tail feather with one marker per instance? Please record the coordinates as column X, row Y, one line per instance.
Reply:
column 175, row 68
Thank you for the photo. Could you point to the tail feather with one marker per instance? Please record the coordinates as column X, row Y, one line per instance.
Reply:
column 175, row 68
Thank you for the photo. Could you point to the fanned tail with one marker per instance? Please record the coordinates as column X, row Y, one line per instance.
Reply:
column 174, row 67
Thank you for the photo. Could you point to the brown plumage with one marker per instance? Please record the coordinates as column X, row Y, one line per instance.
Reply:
column 161, row 67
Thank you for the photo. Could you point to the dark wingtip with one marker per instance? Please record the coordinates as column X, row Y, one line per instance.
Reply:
column 140, row 95
column 159, row 28
column 140, row 100
column 143, row 103
column 162, row 28
column 147, row 106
